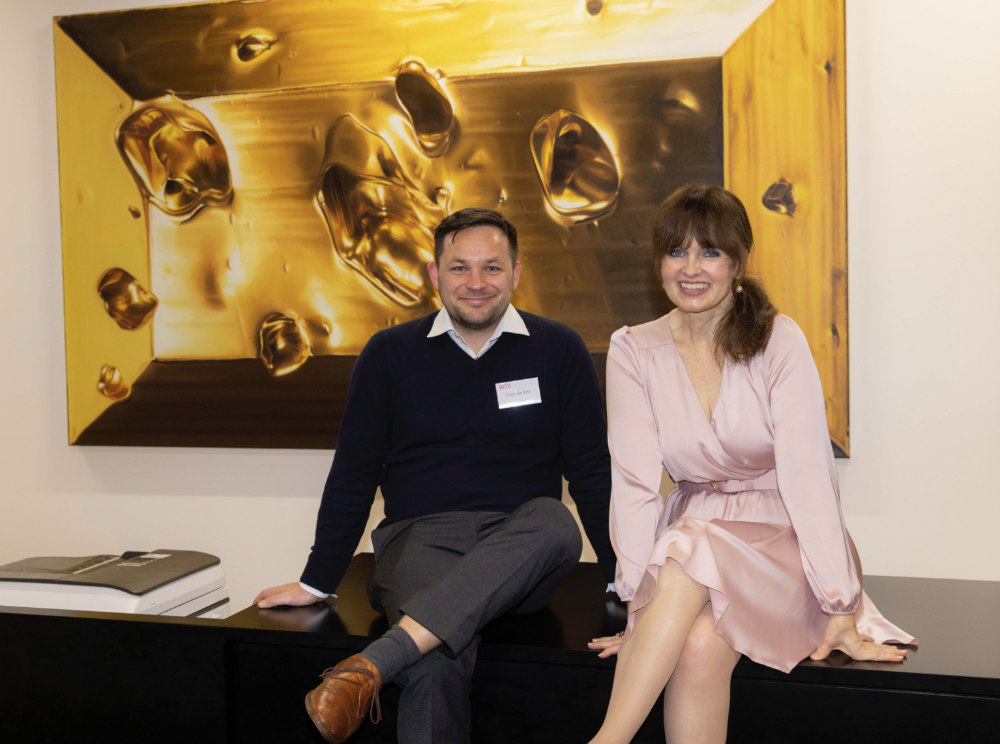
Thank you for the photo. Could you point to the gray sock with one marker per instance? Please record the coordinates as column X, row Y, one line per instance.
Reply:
column 392, row 653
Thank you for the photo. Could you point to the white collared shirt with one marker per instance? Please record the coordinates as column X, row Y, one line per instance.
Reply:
column 511, row 322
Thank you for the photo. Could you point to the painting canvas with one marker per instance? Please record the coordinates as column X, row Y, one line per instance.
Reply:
column 249, row 190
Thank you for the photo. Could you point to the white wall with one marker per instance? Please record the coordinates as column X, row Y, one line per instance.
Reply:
column 923, row 103
column 919, row 490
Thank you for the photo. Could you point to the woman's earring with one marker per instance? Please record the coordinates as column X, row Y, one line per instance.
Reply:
column 739, row 287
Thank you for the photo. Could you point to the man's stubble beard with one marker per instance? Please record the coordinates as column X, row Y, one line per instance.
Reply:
column 459, row 320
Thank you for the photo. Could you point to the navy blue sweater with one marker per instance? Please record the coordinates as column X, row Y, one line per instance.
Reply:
column 422, row 421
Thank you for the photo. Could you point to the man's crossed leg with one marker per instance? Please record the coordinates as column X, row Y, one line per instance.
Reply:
column 439, row 579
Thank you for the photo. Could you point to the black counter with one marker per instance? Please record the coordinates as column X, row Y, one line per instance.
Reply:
column 120, row 678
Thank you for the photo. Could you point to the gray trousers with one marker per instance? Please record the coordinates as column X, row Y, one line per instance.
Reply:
column 454, row 572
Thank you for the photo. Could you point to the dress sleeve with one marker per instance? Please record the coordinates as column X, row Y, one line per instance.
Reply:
column 807, row 476
column 636, row 464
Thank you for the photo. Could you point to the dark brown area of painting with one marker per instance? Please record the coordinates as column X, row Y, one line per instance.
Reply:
column 131, row 51
column 234, row 403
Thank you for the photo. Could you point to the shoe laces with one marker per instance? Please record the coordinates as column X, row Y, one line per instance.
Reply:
column 375, row 709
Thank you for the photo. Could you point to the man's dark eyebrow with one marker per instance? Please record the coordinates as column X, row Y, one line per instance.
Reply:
column 457, row 260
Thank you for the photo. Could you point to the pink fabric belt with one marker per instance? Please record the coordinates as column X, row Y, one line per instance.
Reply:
column 766, row 482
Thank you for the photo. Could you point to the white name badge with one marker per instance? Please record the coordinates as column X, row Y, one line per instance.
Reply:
column 518, row 393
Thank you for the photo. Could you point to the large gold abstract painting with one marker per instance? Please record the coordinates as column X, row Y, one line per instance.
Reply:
column 249, row 189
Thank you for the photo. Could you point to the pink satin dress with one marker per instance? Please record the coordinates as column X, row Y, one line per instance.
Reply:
column 756, row 514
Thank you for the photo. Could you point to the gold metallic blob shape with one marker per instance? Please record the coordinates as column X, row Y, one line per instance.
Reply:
column 677, row 101
column 284, row 345
column 175, row 156
column 427, row 105
column 253, row 45
column 111, row 384
column 678, row 124
column 780, row 198
column 129, row 303
column 576, row 167
column 380, row 222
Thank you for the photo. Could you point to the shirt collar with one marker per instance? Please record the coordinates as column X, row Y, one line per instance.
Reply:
column 511, row 322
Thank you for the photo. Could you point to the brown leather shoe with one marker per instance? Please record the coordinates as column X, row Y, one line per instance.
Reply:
column 348, row 691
